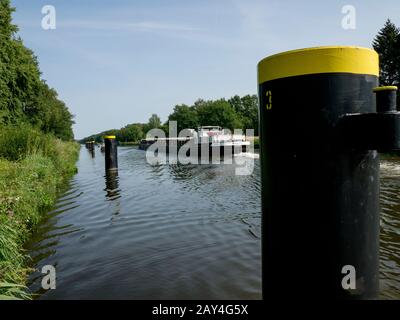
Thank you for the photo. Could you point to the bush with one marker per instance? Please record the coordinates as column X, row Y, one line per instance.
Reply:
column 18, row 142
column 28, row 187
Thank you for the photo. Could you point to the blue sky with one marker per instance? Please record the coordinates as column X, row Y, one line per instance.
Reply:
column 116, row 62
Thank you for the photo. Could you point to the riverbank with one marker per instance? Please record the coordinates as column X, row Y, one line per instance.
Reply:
column 32, row 168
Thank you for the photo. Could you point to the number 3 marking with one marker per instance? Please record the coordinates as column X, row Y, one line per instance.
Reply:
column 269, row 96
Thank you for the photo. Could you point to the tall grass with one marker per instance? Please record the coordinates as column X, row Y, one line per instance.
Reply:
column 32, row 167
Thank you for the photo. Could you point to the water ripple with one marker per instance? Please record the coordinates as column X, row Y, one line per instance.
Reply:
column 136, row 230
column 172, row 232
column 390, row 229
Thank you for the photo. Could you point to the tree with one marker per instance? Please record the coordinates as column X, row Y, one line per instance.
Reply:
column 250, row 112
column 154, row 122
column 130, row 133
column 199, row 103
column 387, row 44
column 24, row 96
column 236, row 103
column 237, row 113
column 51, row 114
column 185, row 116
column 218, row 113
column 247, row 110
column 7, row 29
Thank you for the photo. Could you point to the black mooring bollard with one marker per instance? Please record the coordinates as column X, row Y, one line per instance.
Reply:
column 319, row 135
column 90, row 144
column 386, row 99
column 111, row 154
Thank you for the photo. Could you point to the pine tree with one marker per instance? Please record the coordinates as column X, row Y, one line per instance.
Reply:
column 7, row 29
column 387, row 44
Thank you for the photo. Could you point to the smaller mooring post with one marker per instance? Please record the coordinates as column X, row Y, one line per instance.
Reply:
column 111, row 155
column 90, row 146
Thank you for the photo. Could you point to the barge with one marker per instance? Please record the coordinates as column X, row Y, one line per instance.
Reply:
column 211, row 139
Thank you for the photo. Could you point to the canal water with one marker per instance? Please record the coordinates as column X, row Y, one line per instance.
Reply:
column 152, row 232
column 390, row 229
column 172, row 232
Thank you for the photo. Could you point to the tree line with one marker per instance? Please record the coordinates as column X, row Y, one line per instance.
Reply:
column 234, row 113
column 25, row 98
column 242, row 112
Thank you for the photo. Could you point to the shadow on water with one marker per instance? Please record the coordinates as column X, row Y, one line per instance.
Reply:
column 46, row 238
column 112, row 185
column 91, row 151
column 113, row 193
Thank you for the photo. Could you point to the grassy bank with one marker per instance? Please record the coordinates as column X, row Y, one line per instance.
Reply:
column 32, row 168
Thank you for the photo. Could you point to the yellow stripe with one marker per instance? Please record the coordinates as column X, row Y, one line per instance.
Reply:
column 109, row 137
column 385, row 88
column 340, row 59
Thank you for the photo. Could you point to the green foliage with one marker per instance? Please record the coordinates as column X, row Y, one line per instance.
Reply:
column 247, row 109
column 18, row 141
column 33, row 159
column 218, row 113
column 52, row 114
column 236, row 113
column 12, row 271
column 7, row 29
column 153, row 123
column 131, row 132
column 24, row 96
column 185, row 116
column 387, row 44
column 27, row 187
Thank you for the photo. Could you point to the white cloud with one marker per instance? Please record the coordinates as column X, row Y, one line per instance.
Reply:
column 127, row 26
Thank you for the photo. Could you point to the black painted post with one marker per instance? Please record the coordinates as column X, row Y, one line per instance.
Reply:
column 111, row 154
column 319, row 136
column 90, row 145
